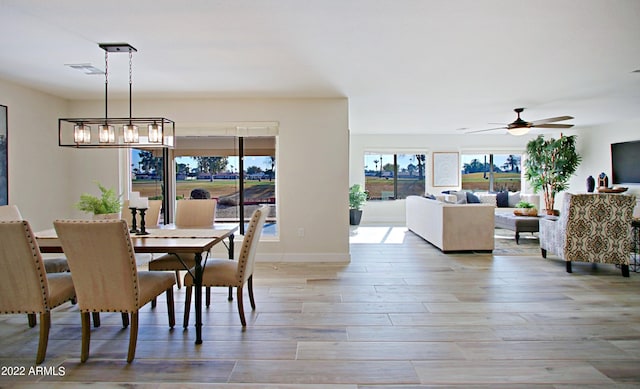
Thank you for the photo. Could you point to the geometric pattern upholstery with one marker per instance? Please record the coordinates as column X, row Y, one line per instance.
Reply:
column 591, row 228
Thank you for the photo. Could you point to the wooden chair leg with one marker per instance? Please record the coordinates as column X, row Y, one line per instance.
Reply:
column 207, row 296
column 543, row 252
column 240, row 306
column 86, row 335
column 125, row 320
column 45, row 324
column 250, row 287
column 96, row 319
column 178, row 279
column 31, row 317
column 569, row 267
column 153, row 303
column 187, row 306
column 170, row 308
column 133, row 337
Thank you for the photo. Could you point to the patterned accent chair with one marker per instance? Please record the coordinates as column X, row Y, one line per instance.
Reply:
column 591, row 228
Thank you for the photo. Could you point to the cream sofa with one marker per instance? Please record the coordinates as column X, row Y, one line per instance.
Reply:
column 452, row 227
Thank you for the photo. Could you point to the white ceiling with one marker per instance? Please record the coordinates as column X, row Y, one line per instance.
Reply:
column 407, row 67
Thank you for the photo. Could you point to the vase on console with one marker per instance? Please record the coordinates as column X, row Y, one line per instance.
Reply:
column 591, row 184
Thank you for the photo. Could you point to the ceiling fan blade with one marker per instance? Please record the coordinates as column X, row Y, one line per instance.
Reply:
column 486, row 129
column 551, row 120
column 553, row 125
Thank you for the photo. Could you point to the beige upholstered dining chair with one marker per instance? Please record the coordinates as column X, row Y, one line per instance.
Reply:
column 103, row 264
column 151, row 216
column 189, row 214
column 24, row 285
column 51, row 265
column 232, row 273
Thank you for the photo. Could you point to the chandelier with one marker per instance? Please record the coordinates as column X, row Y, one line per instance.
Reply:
column 131, row 132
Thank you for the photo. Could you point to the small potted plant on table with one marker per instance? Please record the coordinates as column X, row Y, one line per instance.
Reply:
column 107, row 206
column 524, row 208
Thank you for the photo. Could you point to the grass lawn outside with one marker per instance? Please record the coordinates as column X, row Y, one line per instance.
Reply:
column 502, row 181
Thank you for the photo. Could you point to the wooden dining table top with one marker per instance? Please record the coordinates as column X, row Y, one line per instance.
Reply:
column 167, row 238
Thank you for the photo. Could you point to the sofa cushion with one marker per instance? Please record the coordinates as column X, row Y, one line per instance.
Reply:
column 472, row 198
column 514, row 199
column 502, row 199
column 461, row 197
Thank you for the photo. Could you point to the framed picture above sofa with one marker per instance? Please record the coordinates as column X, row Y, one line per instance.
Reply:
column 446, row 169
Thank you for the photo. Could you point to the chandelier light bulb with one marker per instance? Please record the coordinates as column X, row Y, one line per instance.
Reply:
column 130, row 133
column 106, row 134
column 81, row 133
column 155, row 133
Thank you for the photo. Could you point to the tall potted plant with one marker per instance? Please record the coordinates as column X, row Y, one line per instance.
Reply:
column 357, row 197
column 549, row 166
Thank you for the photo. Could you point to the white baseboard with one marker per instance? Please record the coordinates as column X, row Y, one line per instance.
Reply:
column 303, row 257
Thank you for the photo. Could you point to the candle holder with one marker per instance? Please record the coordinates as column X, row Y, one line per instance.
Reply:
column 143, row 230
column 134, row 227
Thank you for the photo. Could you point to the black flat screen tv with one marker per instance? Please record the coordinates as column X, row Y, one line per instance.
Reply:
column 625, row 162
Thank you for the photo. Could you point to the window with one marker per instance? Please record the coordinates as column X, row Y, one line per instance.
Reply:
column 240, row 172
column 491, row 172
column 394, row 176
column 146, row 174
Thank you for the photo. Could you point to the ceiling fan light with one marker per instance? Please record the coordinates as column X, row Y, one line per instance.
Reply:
column 518, row 131
column 130, row 133
column 106, row 134
column 81, row 133
column 155, row 133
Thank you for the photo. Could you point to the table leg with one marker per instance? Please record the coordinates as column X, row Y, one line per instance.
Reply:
column 230, row 298
column 198, row 298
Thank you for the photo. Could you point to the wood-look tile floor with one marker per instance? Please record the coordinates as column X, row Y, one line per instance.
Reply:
column 400, row 315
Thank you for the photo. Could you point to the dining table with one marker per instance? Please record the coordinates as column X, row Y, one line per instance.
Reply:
column 168, row 239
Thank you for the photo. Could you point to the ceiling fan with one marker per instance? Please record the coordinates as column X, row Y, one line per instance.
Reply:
column 521, row 127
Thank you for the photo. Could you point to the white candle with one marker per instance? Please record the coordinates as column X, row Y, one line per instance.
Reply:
column 143, row 203
column 134, row 199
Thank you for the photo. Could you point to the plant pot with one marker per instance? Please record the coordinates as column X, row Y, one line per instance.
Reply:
column 525, row 212
column 354, row 216
column 108, row 216
column 552, row 212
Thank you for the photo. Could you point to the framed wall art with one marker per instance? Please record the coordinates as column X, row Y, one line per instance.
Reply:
column 4, row 159
column 446, row 169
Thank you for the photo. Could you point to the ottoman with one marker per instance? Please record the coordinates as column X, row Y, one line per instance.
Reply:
column 517, row 223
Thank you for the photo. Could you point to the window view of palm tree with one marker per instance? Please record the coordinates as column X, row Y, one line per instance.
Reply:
column 146, row 174
column 394, row 176
column 491, row 172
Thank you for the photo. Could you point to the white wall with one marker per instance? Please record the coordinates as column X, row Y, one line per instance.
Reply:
column 312, row 158
column 394, row 211
column 39, row 170
column 594, row 143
